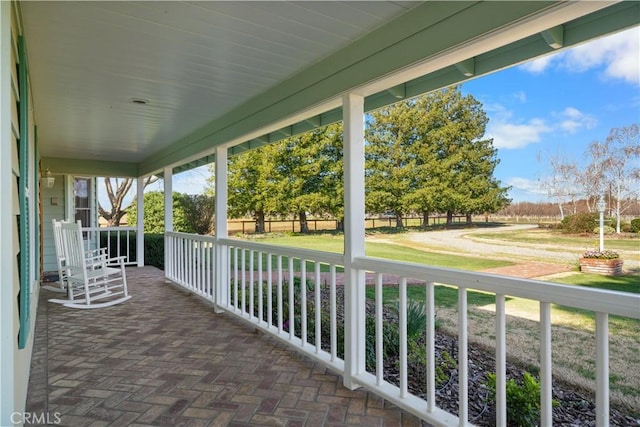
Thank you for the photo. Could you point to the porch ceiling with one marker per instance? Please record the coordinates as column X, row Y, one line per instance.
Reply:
column 231, row 72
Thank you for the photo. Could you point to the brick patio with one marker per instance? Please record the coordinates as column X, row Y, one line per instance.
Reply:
column 164, row 358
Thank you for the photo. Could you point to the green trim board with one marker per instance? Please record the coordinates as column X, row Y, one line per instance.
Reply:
column 90, row 167
column 383, row 51
column 23, row 194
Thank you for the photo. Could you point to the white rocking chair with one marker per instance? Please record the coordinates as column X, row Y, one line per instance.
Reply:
column 92, row 280
column 62, row 271
column 60, row 257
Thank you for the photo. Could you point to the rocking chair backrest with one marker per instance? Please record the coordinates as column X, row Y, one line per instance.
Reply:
column 73, row 247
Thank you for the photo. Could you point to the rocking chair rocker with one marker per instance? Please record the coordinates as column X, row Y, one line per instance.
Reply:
column 92, row 280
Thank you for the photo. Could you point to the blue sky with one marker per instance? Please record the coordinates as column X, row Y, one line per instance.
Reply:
column 555, row 105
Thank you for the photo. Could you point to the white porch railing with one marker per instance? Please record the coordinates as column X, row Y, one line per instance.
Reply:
column 255, row 286
column 119, row 241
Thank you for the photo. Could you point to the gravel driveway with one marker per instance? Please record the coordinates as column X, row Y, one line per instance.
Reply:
column 464, row 242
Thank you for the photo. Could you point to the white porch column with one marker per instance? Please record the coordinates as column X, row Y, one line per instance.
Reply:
column 168, row 199
column 140, row 224
column 354, row 214
column 221, row 279
column 168, row 217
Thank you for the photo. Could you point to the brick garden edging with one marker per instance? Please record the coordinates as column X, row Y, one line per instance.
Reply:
column 608, row 267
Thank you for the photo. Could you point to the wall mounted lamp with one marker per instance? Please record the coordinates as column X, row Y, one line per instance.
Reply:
column 48, row 180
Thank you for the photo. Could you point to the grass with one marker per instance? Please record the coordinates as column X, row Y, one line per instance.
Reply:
column 335, row 243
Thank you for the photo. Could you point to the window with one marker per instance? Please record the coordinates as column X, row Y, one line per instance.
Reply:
column 82, row 194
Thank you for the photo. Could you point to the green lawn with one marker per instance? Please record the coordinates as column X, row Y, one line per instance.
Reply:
column 334, row 243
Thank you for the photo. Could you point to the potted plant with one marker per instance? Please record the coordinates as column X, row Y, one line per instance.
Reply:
column 601, row 262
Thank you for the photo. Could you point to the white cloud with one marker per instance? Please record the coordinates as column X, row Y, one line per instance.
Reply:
column 572, row 120
column 192, row 181
column 618, row 55
column 538, row 66
column 526, row 185
column 516, row 135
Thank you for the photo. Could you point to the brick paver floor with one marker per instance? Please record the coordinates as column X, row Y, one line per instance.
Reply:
column 164, row 358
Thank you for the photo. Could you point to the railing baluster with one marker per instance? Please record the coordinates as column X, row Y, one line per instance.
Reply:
column 546, row 388
column 318, row 311
column 251, row 284
column 236, row 278
column 334, row 333
column 431, row 347
column 303, row 301
column 269, row 291
column 243, row 281
column 501, row 362
column 463, row 369
column 602, row 369
column 403, row 337
column 379, row 339
column 260, row 314
column 291, row 300
column 279, row 296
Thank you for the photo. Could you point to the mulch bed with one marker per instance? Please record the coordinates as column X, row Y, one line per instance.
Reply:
column 574, row 407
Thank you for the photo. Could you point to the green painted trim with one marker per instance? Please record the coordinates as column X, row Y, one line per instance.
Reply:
column 23, row 188
column 410, row 38
column 38, row 203
column 90, row 167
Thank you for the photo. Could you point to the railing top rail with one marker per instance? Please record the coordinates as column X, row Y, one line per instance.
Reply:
column 190, row 236
column 109, row 228
column 598, row 300
column 309, row 254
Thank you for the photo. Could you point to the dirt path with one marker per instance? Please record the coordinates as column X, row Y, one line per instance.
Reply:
column 536, row 256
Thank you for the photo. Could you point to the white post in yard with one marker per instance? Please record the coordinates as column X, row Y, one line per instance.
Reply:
column 354, row 212
column 140, row 224
column 221, row 278
column 168, row 216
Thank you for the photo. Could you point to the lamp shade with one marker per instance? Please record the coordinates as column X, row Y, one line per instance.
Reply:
column 48, row 180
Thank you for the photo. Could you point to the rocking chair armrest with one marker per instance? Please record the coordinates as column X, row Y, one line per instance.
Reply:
column 116, row 260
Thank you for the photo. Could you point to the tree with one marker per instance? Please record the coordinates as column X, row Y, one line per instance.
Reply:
column 154, row 212
column 615, row 167
column 309, row 174
column 116, row 198
column 252, row 185
column 564, row 183
column 427, row 155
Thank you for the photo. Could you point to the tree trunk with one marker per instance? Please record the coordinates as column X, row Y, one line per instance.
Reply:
column 425, row 219
column 469, row 218
column 259, row 217
column 449, row 217
column 399, row 223
column 304, row 226
column 340, row 224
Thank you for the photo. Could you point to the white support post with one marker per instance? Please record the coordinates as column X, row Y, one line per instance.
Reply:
column 354, row 215
column 602, row 369
column 140, row 224
column 221, row 283
column 168, row 213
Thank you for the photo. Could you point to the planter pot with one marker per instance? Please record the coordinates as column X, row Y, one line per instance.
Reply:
column 609, row 267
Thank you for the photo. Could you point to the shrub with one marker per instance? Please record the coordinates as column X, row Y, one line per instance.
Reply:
column 635, row 225
column 580, row 223
column 606, row 230
column 154, row 250
column 523, row 400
